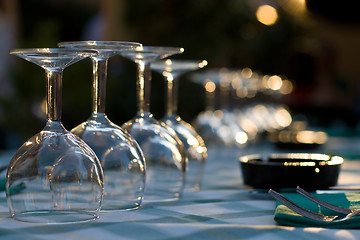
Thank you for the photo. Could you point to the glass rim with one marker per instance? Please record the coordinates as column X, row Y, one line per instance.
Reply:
column 181, row 61
column 170, row 65
column 105, row 45
column 49, row 50
column 155, row 49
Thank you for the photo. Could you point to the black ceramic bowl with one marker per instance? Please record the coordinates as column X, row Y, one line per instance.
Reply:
column 307, row 170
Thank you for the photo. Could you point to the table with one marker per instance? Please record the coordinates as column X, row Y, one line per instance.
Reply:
column 223, row 209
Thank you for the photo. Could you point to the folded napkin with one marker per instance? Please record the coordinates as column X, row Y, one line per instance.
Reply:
column 284, row 216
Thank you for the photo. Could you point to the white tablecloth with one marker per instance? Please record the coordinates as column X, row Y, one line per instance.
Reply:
column 223, row 209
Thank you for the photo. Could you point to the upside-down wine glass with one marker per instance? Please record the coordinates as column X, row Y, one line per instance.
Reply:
column 54, row 177
column 206, row 123
column 216, row 124
column 165, row 156
column 194, row 144
column 121, row 158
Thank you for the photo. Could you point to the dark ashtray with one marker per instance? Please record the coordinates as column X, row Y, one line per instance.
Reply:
column 310, row 171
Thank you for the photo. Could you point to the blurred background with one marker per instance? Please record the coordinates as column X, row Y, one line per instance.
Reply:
column 315, row 47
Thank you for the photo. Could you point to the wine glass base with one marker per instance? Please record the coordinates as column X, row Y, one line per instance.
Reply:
column 120, row 207
column 55, row 217
column 157, row 196
column 192, row 188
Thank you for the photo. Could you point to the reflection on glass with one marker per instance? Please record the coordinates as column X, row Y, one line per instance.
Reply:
column 217, row 124
column 166, row 160
column 194, row 144
column 242, row 105
column 54, row 177
column 121, row 157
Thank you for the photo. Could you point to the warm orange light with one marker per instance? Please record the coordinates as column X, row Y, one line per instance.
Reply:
column 311, row 137
column 203, row 64
column 246, row 72
column 236, row 82
column 274, row 82
column 210, row 87
column 169, row 76
column 286, row 87
column 242, row 92
column 283, row 117
column 266, row 14
column 248, row 125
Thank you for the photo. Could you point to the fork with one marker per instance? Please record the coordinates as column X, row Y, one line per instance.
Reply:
column 306, row 213
column 323, row 203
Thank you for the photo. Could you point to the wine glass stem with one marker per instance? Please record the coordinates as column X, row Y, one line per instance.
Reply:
column 53, row 97
column 99, row 85
column 172, row 95
column 143, row 86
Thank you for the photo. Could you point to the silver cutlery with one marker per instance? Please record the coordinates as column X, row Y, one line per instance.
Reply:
column 312, row 215
column 323, row 203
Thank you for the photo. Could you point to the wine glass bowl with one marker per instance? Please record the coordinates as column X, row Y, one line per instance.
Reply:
column 121, row 159
column 54, row 177
column 193, row 142
column 120, row 155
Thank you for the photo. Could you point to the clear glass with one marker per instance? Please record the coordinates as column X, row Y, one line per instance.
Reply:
column 54, row 177
column 217, row 124
column 121, row 158
column 165, row 156
column 193, row 142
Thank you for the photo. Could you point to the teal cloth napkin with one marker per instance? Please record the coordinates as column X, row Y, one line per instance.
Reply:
column 284, row 216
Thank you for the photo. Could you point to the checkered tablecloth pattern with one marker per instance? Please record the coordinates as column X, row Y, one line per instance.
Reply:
column 223, row 209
